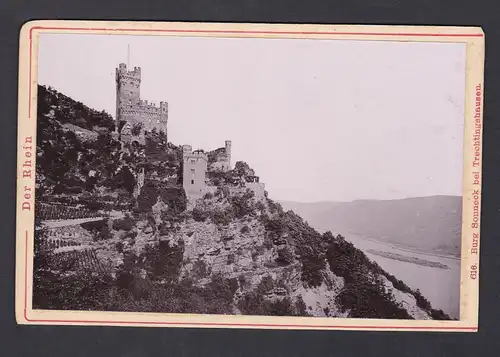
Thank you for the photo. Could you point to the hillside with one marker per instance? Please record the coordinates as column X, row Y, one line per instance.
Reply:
column 413, row 223
column 233, row 253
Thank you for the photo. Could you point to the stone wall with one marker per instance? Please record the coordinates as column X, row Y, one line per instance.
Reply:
column 258, row 188
column 220, row 159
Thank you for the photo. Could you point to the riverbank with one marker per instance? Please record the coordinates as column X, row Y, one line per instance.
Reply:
column 413, row 260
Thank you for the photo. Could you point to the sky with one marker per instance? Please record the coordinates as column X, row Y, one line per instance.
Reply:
column 318, row 120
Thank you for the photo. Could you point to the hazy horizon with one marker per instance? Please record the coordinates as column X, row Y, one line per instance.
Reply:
column 367, row 199
column 319, row 121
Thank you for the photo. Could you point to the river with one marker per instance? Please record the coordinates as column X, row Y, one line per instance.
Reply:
column 440, row 286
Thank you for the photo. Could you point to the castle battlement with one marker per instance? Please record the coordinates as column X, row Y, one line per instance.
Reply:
column 188, row 154
column 122, row 70
column 196, row 156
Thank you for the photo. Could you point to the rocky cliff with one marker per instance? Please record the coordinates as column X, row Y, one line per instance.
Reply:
column 232, row 254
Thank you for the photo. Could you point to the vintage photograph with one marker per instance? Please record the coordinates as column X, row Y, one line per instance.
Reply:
column 220, row 175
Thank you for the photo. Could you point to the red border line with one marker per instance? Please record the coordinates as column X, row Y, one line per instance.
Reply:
column 194, row 324
column 256, row 32
column 31, row 65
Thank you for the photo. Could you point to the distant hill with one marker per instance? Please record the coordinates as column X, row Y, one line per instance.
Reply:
column 428, row 224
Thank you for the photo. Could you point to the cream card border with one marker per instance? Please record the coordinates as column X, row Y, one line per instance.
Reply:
column 469, row 297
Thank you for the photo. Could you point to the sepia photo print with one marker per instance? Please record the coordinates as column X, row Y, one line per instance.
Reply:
column 318, row 179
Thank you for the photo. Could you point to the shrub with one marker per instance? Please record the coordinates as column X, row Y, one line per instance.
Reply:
column 301, row 307
column 275, row 225
column 222, row 218
column 199, row 215
column 439, row 315
column 125, row 224
column 274, row 207
column 259, row 206
column 99, row 229
column 174, row 197
column 230, row 259
column 281, row 308
column 244, row 229
column 252, row 303
column 130, row 234
column 369, row 300
column 265, row 285
column 243, row 204
column 200, row 270
column 125, row 179
column 136, row 129
column 83, row 291
column 162, row 261
column 285, row 256
column 223, row 288
column 422, row 302
column 148, row 196
column 163, row 229
column 311, row 270
column 171, row 217
column 260, row 249
column 119, row 247
column 328, row 237
column 242, row 280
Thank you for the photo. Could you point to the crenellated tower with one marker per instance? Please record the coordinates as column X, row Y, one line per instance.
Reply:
column 135, row 116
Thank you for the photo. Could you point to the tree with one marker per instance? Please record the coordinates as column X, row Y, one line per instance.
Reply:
column 136, row 129
column 126, row 179
column 285, row 256
column 242, row 169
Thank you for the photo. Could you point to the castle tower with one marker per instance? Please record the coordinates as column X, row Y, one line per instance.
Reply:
column 228, row 153
column 128, row 88
column 134, row 112
column 193, row 173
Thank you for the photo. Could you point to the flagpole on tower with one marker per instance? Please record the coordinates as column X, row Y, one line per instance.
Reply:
column 128, row 56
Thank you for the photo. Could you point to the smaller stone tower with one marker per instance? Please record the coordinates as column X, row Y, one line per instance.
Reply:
column 193, row 173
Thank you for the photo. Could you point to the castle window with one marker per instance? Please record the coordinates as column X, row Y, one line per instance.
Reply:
column 193, row 161
column 193, row 171
column 192, row 182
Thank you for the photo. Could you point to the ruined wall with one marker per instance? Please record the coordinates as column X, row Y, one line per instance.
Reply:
column 258, row 188
column 220, row 159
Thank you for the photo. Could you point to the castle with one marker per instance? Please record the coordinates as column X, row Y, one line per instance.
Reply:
column 195, row 165
column 135, row 116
